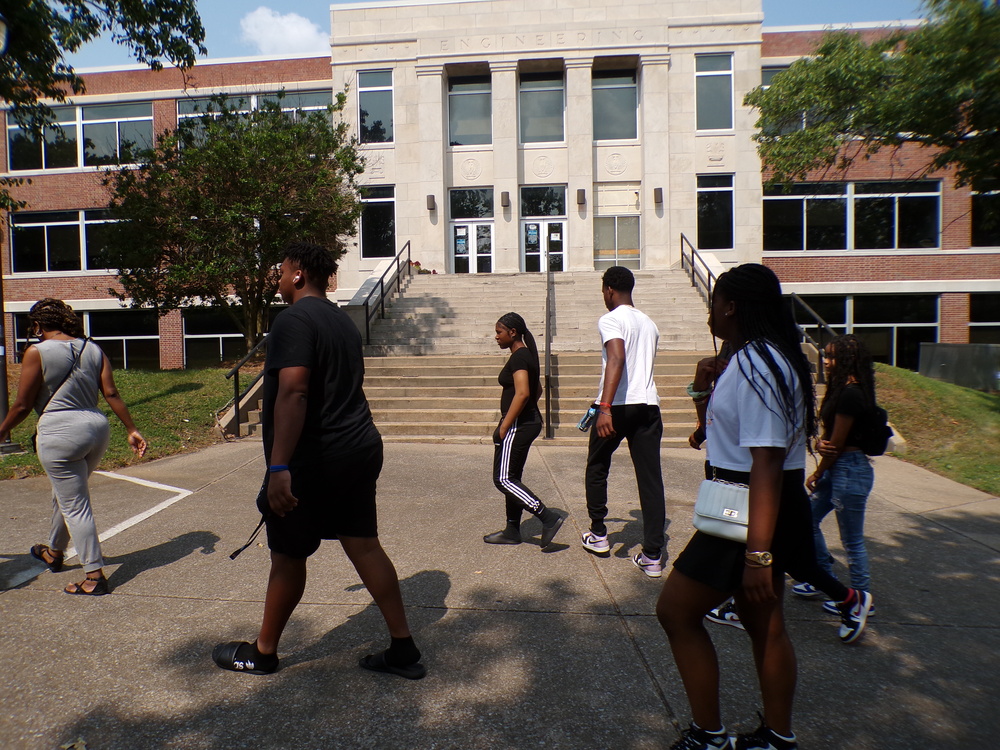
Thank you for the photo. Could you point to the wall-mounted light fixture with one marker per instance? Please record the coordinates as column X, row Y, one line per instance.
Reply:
column 505, row 199
column 658, row 196
column 431, row 205
column 581, row 197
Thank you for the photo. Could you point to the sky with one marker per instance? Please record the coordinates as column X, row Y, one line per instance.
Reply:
column 246, row 28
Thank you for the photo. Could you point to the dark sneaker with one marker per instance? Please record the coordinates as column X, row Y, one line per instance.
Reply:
column 725, row 615
column 853, row 618
column 696, row 738
column 765, row 738
column 831, row 607
column 649, row 566
column 806, row 591
column 596, row 544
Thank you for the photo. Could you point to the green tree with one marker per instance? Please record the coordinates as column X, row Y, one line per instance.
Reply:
column 42, row 32
column 206, row 218
column 937, row 85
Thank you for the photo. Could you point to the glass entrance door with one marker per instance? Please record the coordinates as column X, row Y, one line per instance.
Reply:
column 472, row 247
column 543, row 239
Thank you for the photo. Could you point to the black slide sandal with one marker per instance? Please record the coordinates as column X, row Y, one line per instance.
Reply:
column 377, row 663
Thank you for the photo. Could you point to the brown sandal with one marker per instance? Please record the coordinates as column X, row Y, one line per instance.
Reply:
column 39, row 552
column 100, row 587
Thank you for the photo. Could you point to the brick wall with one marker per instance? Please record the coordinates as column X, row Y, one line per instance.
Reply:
column 171, row 341
column 954, row 319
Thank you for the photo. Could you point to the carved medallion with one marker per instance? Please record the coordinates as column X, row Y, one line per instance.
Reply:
column 615, row 163
column 471, row 169
column 542, row 166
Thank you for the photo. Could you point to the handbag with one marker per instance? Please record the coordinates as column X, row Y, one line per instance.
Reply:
column 723, row 509
column 76, row 363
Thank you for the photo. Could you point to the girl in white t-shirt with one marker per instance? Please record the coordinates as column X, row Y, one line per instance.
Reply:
column 758, row 422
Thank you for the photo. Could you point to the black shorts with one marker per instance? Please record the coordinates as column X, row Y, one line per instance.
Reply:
column 336, row 498
column 719, row 563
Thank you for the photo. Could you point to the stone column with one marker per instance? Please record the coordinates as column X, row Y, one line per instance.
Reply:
column 580, row 164
column 658, row 246
column 427, row 175
column 506, row 177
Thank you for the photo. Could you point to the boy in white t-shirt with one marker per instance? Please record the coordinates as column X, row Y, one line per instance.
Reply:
column 628, row 408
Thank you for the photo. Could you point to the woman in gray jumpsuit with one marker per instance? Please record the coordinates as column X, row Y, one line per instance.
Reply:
column 60, row 378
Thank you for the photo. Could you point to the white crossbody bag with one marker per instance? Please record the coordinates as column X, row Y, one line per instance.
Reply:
column 723, row 509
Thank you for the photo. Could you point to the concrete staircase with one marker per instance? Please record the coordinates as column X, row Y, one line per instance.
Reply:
column 456, row 398
column 455, row 313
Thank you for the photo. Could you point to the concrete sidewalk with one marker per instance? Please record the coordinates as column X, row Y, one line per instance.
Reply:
column 523, row 648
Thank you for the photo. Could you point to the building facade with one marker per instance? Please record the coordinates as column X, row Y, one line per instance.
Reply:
column 503, row 136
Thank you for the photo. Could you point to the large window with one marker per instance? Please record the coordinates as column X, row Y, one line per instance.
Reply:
column 615, row 102
column 616, row 242
column 375, row 105
column 986, row 217
column 714, row 91
column 58, row 241
column 853, row 216
column 984, row 318
column 94, row 135
column 378, row 222
column 130, row 338
column 715, row 212
column 541, row 102
column 470, row 111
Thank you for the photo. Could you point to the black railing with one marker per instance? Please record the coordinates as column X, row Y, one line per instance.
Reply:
column 234, row 375
column 701, row 275
column 385, row 286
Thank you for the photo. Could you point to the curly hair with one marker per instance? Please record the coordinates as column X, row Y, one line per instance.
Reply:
column 51, row 314
column 619, row 278
column 315, row 260
column 851, row 362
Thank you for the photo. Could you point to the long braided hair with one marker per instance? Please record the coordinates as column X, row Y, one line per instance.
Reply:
column 762, row 318
column 51, row 314
column 513, row 321
column 851, row 360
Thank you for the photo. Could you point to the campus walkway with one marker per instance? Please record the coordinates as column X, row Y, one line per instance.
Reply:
column 523, row 649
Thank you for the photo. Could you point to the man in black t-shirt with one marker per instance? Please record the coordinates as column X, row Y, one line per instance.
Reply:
column 324, row 456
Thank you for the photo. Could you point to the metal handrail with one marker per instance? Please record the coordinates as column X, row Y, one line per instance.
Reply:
column 702, row 277
column 234, row 374
column 397, row 269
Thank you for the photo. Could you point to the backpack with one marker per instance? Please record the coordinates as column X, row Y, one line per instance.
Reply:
column 876, row 433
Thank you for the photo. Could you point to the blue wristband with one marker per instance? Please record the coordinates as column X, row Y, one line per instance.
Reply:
column 276, row 468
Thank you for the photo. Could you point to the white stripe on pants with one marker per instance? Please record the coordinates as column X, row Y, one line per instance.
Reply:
column 70, row 446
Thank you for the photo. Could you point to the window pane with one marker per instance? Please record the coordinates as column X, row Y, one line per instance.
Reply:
column 628, row 241
column 873, row 223
column 720, row 180
column 918, row 222
column 133, row 138
column 543, row 201
column 715, row 220
column 484, row 249
column 472, row 204
column 64, row 248
column 45, row 217
column 541, row 116
column 714, row 102
column 378, row 230
column 605, row 245
column 100, row 144
column 832, row 309
column 115, row 349
column 908, row 342
column 207, row 320
column 986, row 220
column 202, row 352
column 96, row 239
column 378, row 191
column 767, row 75
column 60, row 147
column 124, row 323
column 703, row 63
column 117, row 111
column 879, row 343
column 984, row 335
column 370, row 78
column 24, row 149
column 783, row 225
column 614, row 113
column 984, row 308
column 29, row 249
column 143, row 354
column 470, row 119
column 376, row 116
column 875, row 188
column 895, row 308
column 826, row 224
column 234, row 348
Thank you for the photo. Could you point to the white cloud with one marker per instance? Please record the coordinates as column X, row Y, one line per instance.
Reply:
column 275, row 34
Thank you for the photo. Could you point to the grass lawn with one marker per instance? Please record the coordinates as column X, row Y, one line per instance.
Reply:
column 174, row 410
column 952, row 431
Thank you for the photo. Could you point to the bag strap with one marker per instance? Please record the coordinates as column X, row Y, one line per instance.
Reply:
column 76, row 363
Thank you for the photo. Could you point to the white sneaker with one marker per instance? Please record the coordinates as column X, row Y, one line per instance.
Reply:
column 806, row 591
column 652, row 568
column 596, row 544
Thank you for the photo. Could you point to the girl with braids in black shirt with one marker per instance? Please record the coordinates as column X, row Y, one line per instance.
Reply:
column 520, row 424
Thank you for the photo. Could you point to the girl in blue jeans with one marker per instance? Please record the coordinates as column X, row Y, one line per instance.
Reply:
column 844, row 478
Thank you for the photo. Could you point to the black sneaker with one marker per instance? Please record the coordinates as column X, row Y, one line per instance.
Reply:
column 696, row 738
column 725, row 615
column 765, row 738
column 853, row 618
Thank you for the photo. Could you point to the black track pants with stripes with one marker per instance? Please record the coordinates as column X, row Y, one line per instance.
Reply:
column 509, row 456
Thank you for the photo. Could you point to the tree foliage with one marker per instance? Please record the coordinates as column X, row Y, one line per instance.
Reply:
column 206, row 218
column 937, row 85
column 41, row 32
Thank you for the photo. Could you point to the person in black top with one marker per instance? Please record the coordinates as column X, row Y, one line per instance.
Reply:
column 519, row 426
column 844, row 478
column 324, row 456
